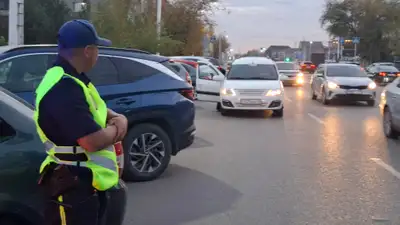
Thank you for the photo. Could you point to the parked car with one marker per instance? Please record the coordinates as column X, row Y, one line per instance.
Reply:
column 383, row 74
column 390, row 109
column 347, row 82
column 137, row 84
column 215, row 62
column 21, row 153
column 181, row 71
column 192, row 68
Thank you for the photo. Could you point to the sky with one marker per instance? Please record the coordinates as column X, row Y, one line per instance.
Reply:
column 252, row 24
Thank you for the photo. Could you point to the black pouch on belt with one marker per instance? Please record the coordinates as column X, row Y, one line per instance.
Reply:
column 60, row 181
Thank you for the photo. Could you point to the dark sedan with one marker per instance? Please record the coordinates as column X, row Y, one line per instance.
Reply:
column 383, row 74
column 21, row 153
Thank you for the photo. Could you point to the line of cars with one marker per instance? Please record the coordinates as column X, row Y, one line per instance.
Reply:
column 146, row 88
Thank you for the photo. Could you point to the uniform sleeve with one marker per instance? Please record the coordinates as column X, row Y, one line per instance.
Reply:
column 66, row 104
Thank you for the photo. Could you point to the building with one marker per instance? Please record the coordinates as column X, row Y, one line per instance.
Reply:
column 309, row 47
column 278, row 52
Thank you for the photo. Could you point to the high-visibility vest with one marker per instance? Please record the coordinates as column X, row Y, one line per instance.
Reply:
column 102, row 163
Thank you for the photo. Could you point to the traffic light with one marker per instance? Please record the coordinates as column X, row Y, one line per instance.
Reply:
column 287, row 59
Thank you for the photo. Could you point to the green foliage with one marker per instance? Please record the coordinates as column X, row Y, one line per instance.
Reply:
column 374, row 21
column 2, row 41
column 43, row 18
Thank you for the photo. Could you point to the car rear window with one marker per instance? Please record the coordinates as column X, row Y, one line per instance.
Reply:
column 191, row 70
column 287, row 66
column 387, row 69
column 307, row 63
column 253, row 72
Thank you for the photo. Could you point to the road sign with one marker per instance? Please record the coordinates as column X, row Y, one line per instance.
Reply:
column 341, row 40
column 299, row 55
column 213, row 38
column 356, row 40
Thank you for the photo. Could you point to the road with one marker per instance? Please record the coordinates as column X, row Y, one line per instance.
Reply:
column 318, row 165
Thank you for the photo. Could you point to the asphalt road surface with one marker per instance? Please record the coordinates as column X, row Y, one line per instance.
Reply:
column 318, row 165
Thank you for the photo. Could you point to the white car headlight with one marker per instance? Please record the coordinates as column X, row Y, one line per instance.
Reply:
column 372, row 85
column 273, row 92
column 227, row 92
column 332, row 85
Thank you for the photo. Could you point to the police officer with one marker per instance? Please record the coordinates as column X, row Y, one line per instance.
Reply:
column 78, row 132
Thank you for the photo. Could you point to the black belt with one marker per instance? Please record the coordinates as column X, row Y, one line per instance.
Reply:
column 80, row 157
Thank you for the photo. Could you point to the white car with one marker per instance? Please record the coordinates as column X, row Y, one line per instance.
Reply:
column 342, row 82
column 252, row 84
column 290, row 73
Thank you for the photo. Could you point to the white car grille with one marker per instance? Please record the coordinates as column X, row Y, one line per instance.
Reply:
column 251, row 92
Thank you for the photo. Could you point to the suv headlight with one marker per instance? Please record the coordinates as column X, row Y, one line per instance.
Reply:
column 227, row 92
column 273, row 92
column 372, row 85
column 332, row 85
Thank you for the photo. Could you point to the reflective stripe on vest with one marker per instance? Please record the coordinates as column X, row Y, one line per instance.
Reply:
column 99, row 160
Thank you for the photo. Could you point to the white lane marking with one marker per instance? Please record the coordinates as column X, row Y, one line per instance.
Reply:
column 315, row 118
column 387, row 167
column 288, row 99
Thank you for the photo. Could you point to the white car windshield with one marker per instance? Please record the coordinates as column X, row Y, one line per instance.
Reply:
column 252, row 72
column 345, row 71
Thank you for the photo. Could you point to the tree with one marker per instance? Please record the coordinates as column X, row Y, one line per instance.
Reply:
column 43, row 18
column 371, row 20
column 126, row 26
column 224, row 46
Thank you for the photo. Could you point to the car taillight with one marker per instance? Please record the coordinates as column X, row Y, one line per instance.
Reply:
column 313, row 66
column 189, row 94
column 382, row 74
column 188, row 79
column 398, row 74
column 119, row 151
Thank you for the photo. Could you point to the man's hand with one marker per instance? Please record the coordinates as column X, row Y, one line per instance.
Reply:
column 121, row 123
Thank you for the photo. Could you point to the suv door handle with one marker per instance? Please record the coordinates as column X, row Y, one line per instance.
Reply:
column 125, row 101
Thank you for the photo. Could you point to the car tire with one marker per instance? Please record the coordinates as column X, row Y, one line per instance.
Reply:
column 218, row 107
column 133, row 148
column 388, row 129
column 323, row 98
column 224, row 112
column 277, row 113
column 371, row 103
column 313, row 95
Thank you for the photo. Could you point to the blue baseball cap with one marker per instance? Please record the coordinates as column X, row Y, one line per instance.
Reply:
column 79, row 34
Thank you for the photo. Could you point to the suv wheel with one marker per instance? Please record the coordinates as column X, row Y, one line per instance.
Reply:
column 147, row 150
column 388, row 129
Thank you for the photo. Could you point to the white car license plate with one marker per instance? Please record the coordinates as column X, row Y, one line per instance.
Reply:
column 250, row 101
column 353, row 91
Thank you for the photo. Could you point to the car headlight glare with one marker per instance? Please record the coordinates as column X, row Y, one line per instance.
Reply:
column 372, row 85
column 300, row 74
column 332, row 85
column 227, row 92
column 273, row 92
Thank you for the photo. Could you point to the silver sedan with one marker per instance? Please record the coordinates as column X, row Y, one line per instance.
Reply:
column 342, row 82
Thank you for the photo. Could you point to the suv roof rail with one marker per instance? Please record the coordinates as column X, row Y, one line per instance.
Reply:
column 19, row 47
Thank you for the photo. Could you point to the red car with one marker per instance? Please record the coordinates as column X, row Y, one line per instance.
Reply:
column 307, row 67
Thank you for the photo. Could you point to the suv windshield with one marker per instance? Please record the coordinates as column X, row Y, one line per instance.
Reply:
column 253, row 72
column 287, row 66
column 345, row 71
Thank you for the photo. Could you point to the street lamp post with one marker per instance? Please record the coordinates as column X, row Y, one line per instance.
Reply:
column 310, row 50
